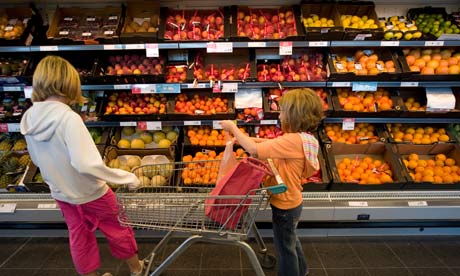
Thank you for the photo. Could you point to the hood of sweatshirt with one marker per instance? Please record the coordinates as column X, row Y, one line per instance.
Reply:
column 41, row 120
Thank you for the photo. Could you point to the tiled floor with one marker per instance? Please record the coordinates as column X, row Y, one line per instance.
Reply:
column 333, row 256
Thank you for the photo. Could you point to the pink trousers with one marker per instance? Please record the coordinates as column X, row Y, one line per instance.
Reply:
column 83, row 220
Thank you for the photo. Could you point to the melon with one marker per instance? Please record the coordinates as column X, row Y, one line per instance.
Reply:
column 133, row 161
column 146, row 137
column 158, row 136
column 124, row 144
column 171, row 136
column 137, row 144
column 128, row 130
column 164, row 143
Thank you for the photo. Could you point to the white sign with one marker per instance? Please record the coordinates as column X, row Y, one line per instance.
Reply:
column 216, row 125
column 409, row 84
column 151, row 50
column 268, row 122
column 357, row 203
column 134, row 46
column 14, row 127
column 7, row 207
column 28, row 92
column 153, row 125
column 113, row 47
column 417, row 203
column 257, row 44
column 192, row 123
column 128, row 124
column 219, row 47
column 144, row 88
column 389, row 43
column 434, row 43
column 317, row 44
column 438, row 99
column 341, row 84
column 229, row 87
column 348, row 124
column 285, row 48
column 46, row 206
column 122, row 86
column 48, row 48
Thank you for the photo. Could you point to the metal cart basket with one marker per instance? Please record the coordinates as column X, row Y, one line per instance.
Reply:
column 178, row 208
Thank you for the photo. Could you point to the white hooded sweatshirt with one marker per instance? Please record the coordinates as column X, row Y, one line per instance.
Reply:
column 61, row 146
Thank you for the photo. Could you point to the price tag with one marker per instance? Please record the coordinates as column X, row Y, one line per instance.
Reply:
column 409, row 84
column 86, row 34
column 192, row 123
column 168, row 88
column 108, row 33
column 348, row 124
column 417, row 203
column 151, row 50
column 142, row 125
column 46, row 206
column 84, row 108
column 257, row 44
column 197, row 85
column 434, row 43
column 144, row 88
column 268, row 122
column 219, row 47
column 317, row 44
column 134, row 46
column 7, row 207
column 285, row 48
column 128, row 124
column 28, row 92
column 14, row 127
column 364, row 86
column 229, row 87
column 153, row 125
column 357, row 203
column 216, row 125
column 341, row 84
column 113, row 47
column 362, row 36
column 12, row 88
column 389, row 43
column 122, row 86
column 48, row 48
column 3, row 127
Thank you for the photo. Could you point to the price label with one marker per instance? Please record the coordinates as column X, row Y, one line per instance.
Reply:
column 134, row 46
column 219, row 47
column 417, row 203
column 84, row 108
column 128, row 124
column 348, row 124
column 364, row 86
column 192, row 123
column 341, row 84
column 108, row 33
column 285, row 48
column 197, row 85
column 3, row 127
column 268, row 122
column 142, row 125
column 357, row 203
column 86, row 34
column 7, row 207
column 216, row 125
column 48, row 48
column 409, row 84
column 153, row 125
column 113, row 47
column 46, row 206
column 434, row 43
column 168, row 88
column 15, row 127
column 389, row 43
column 151, row 50
column 143, row 88
column 362, row 36
column 229, row 87
column 122, row 86
column 317, row 44
column 28, row 92
column 12, row 88
column 257, row 44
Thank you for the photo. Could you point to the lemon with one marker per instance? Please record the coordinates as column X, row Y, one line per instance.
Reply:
column 408, row 36
column 388, row 35
column 398, row 36
column 417, row 34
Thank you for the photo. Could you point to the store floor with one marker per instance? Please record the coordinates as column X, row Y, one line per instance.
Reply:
column 333, row 256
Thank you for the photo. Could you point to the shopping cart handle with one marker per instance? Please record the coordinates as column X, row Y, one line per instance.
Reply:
column 278, row 189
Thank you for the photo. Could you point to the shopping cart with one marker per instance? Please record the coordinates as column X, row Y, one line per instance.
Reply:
column 186, row 207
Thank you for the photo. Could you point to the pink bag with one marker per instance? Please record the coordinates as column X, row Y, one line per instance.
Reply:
column 245, row 176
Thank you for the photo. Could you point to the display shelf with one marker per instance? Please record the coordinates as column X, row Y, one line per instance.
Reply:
column 397, row 120
column 395, row 43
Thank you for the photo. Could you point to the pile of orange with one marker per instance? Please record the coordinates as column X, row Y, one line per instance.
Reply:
column 364, row 101
column 433, row 61
column 413, row 105
column 363, row 63
column 362, row 134
column 206, row 136
column 418, row 135
column 440, row 169
column 364, row 171
column 200, row 105
column 202, row 169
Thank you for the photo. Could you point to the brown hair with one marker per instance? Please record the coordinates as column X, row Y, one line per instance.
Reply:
column 302, row 110
column 55, row 76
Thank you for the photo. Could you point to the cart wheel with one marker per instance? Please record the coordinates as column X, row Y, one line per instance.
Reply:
column 267, row 261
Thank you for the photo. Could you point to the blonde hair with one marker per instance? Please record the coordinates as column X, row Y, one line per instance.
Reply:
column 55, row 76
column 302, row 110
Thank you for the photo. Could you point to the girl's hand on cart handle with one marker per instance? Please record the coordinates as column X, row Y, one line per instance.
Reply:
column 281, row 187
column 134, row 185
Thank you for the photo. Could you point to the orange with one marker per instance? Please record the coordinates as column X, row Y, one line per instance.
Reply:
column 410, row 60
column 440, row 157
column 442, row 70
column 420, row 63
column 444, row 138
column 427, row 71
column 413, row 156
column 449, row 162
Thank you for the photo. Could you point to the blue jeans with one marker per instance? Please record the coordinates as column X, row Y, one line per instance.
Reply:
column 289, row 252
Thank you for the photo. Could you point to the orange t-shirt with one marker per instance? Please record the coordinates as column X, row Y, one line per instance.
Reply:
column 288, row 155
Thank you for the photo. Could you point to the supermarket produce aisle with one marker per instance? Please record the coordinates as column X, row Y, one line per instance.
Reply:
column 345, row 256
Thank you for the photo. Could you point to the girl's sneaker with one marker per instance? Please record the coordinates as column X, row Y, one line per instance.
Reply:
column 141, row 273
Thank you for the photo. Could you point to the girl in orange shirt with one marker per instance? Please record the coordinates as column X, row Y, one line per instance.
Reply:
column 295, row 155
